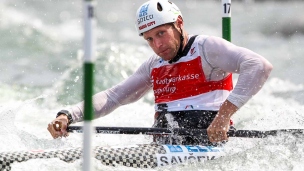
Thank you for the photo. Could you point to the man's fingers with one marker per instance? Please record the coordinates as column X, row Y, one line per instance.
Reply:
column 217, row 136
column 66, row 134
column 51, row 129
column 55, row 129
column 57, row 125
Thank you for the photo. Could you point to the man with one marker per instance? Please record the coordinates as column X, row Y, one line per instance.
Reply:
column 191, row 77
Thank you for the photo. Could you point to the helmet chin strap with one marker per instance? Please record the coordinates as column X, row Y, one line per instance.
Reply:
column 180, row 50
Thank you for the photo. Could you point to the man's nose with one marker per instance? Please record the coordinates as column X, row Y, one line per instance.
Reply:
column 158, row 43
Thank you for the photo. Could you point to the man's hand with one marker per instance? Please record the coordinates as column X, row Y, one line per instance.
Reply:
column 217, row 130
column 58, row 127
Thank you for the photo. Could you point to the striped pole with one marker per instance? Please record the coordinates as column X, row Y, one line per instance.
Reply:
column 226, row 20
column 89, row 52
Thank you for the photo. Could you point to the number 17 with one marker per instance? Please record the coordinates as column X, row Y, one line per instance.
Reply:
column 227, row 8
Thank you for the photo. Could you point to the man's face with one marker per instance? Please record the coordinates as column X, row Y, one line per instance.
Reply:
column 164, row 40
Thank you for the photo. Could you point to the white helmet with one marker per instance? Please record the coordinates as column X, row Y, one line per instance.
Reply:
column 155, row 13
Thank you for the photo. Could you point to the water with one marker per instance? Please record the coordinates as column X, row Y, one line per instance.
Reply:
column 41, row 73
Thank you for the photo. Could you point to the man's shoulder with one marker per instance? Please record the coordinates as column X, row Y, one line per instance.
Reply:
column 153, row 60
column 211, row 40
column 200, row 39
column 204, row 37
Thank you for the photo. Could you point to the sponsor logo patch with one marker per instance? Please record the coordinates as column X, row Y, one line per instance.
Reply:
column 192, row 51
column 177, row 154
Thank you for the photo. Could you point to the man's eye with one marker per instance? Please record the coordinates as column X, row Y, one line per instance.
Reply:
column 149, row 39
column 161, row 33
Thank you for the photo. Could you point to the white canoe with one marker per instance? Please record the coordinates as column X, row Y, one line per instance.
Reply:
column 137, row 156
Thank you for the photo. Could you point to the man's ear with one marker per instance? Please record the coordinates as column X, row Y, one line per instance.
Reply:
column 179, row 22
column 180, row 17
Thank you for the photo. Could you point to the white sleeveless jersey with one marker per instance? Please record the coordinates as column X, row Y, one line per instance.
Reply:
column 201, row 80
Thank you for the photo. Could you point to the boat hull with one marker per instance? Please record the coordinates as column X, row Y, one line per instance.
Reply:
column 137, row 156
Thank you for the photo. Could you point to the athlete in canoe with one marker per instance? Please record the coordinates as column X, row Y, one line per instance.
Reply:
column 191, row 76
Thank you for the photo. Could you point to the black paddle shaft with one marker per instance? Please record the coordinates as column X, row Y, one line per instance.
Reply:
column 183, row 131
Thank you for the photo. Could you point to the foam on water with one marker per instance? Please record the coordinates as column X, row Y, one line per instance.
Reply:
column 24, row 128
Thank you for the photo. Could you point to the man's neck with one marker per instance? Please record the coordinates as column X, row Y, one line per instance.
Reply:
column 185, row 40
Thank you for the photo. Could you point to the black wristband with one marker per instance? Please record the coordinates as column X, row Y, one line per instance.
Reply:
column 66, row 113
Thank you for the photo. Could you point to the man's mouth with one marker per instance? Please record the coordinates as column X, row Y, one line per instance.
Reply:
column 164, row 51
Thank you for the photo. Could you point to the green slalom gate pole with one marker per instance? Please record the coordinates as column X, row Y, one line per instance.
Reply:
column 226, row 20
column 89, row 52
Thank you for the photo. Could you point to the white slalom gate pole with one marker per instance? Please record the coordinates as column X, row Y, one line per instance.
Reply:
column 89, row 53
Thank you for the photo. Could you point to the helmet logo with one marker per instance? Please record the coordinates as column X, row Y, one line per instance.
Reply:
column 143, row 10
column 143, row 15
column 147, row 25
column 145, row 18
